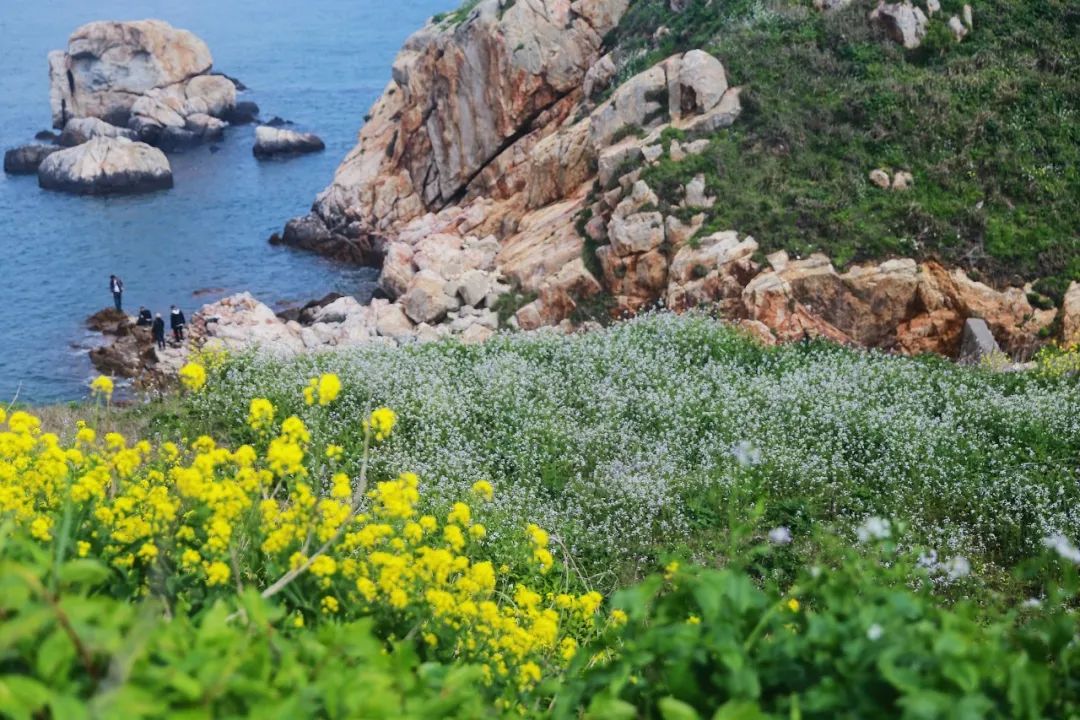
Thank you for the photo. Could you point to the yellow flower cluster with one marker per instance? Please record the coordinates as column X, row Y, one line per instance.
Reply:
column 193, row 376
column 266, row 516
column 102, row 385
column 324, row 389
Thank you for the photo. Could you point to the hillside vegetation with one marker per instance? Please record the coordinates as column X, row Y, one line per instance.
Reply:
column 659, row 520
column 989, row 127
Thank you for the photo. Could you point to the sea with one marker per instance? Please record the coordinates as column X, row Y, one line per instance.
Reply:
column 319, row 64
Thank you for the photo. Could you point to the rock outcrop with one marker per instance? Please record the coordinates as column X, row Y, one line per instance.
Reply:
column 903, row 22
column 25, row 160
column 145, row 78
column 500, row 156
column 1070, row 315
column 106, row 165
column 273, row 141
column 240, row 322
column 79, row 130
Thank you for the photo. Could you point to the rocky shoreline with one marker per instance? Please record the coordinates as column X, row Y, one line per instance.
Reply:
column 506, row 157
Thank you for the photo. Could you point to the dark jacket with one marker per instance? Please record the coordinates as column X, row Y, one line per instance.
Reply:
column 158, row 329
column 116, row 285
column 145, row 318
column 176, row 319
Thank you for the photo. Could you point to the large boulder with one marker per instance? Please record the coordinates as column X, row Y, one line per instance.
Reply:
column 25, row 160
column 109, row 65
column 903, row 22
column 271, row 141
column 106, row 165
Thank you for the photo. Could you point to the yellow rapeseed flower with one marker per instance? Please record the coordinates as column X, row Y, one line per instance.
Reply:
column 260, row 414
column 329, row 388
column 217, row 573
column 102, row 385
column 193, row 376
column 483, row 490
column 382, row 422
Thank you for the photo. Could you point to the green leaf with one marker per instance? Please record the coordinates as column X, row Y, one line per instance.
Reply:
column 21, row 696
column 739, row 710
column 605, row 707
column 68, row 708
column 673, row 709
column 84, row 571
column 54, row 656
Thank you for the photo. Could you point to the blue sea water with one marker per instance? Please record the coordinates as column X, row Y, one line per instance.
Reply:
column 320, row 64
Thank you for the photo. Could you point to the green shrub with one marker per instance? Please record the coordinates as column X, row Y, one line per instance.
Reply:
column 854, row 640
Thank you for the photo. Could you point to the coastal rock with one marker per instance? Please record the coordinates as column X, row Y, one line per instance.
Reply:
column 271, row 141
column 213, row 95
column 426, row 300
column 26, row 159
column 106, row 165
column 79, row 130
column 240, row 322
column 205, row 127
column 109, row 65
column 242, row 113
column 392, row 322
column 977, row 342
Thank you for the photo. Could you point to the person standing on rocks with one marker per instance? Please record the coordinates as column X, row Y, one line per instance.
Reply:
column 177, row 322
column 116, row 285
column 158, row 331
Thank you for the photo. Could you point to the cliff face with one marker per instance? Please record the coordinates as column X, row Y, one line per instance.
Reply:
column 462, row 98
column 505, row 149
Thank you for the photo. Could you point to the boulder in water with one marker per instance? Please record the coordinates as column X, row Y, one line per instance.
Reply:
column 26, row 159
column 106, row 165
column 109, row 65
column 270, row 141
column 243, row 112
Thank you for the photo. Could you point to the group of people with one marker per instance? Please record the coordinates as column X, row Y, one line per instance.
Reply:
column 177, row 321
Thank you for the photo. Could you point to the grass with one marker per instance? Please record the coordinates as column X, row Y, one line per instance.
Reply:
column 633, row 442
column 990, row 129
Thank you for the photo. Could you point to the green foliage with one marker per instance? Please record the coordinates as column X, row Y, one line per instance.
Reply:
column 849, row 641
column 67, row 651
column 456, row 17
column 989, row 127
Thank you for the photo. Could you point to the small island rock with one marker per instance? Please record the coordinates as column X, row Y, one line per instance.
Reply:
column 106, row 165
column 271, row 141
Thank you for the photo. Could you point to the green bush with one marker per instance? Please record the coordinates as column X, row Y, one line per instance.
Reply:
column 850, row 641
column 68, row 651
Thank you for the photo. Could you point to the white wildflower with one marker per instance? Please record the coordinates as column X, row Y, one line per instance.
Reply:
column 746, row 454
column 874, row 632
column 957, row 567
column 874, row 528
column 1061, row 545
column 780, row 536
